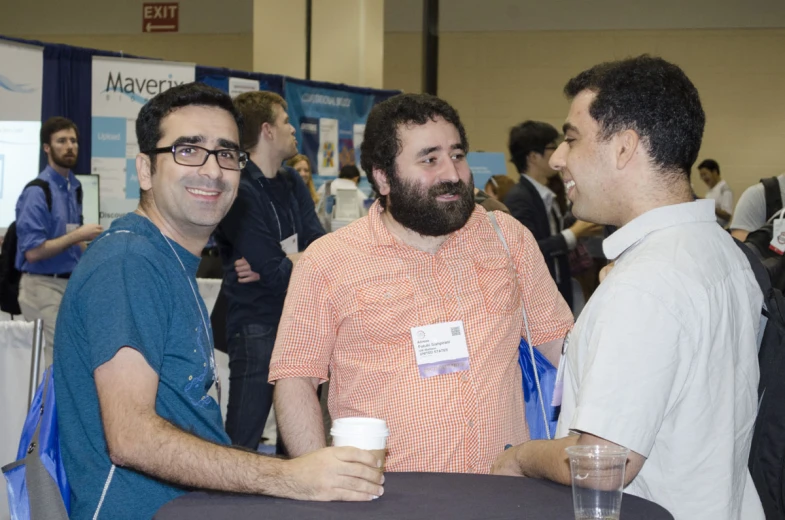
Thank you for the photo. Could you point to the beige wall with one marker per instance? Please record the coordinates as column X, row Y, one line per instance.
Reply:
column 497, row 79
column 217, row 50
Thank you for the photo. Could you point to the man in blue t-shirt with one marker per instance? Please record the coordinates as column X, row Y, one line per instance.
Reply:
column 49, row 229
column 134, row 365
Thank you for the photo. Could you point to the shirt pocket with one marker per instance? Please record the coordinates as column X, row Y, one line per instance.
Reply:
column 388, row 311
column 497, row 285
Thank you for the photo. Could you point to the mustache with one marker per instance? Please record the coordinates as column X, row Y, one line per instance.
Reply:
column 448, row 188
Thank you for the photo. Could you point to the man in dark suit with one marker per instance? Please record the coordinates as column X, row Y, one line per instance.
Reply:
column 531, row 145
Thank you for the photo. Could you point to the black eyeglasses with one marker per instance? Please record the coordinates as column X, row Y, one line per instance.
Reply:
column 192, row 155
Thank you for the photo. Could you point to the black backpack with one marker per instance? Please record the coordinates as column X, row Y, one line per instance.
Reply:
column 9, row 274
column 760, row 239
column 767, row 452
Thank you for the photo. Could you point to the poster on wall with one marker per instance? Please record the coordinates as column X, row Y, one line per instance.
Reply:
column 21, row 81
column 329, row 124
column 238, row 86
column 120, row 87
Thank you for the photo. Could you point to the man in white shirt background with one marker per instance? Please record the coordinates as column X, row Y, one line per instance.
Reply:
column 663, row 359
column 756, row 205
column 349, row 180
column 719, row 191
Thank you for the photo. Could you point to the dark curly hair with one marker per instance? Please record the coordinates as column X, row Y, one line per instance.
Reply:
column 148, row 123
column 382, row 143
column 652, row 97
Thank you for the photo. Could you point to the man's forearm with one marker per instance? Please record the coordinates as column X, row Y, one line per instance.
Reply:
column 546, row 459
column 158, row 448
column 298, row 415
column 52, row 247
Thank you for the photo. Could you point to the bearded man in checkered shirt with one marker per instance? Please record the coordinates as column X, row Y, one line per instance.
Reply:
column 414, row 312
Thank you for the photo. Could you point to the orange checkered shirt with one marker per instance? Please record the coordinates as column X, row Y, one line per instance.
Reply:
column 355, row 295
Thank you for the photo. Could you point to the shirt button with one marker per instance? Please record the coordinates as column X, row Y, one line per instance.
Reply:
column 464, row 377
column 448, row 296
column 470, row 469
column 471, row 424
column 190, row 378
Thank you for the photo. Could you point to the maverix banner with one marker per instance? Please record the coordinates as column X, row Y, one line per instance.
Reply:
column 120, row 87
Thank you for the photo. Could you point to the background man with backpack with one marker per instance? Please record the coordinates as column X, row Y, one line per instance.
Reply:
column 757, row 205
column 49, row 231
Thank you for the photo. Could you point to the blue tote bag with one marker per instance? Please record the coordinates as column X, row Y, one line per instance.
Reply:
column 36, row 482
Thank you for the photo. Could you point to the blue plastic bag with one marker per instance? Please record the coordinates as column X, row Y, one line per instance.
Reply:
column 534, row 408
column 37, row 484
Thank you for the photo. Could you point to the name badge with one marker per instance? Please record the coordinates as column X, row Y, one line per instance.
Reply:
column 71, row 227
column 289, row 245
column 440, row 348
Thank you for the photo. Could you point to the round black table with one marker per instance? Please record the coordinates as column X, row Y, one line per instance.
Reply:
column 412, row 496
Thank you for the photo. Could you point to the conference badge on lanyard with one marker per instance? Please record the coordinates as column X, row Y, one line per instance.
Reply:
column 440, row 348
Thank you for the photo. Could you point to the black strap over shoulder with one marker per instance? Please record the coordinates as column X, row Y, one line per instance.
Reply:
column 771, row 187
column 44, row 186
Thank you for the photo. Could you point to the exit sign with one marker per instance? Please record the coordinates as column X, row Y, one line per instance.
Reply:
column 160, row 17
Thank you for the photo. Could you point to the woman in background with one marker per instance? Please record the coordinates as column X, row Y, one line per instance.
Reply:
column 498, row 186
column 302, row 164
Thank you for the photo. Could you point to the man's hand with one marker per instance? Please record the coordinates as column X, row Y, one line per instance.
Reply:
column 244, row 272
column 582, row 228
column 507, row 464
column 88, row 232
column 328, row 474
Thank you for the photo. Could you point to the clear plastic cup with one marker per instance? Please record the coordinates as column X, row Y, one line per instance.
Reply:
column 597, row 481
column 362, row 432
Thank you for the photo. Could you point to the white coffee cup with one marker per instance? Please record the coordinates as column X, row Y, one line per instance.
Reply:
column 361, row 432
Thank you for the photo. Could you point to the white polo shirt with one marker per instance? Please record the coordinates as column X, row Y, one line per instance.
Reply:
column 663, row 361
column 722, row 196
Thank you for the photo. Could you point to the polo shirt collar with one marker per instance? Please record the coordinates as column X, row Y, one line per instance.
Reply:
column 654, row 220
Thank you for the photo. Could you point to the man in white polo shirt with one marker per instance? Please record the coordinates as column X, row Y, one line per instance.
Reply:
column 663, row 359
column 719, row 191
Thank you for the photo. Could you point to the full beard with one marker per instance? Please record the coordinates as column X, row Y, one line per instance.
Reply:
column 425, row 215
column 64, row 161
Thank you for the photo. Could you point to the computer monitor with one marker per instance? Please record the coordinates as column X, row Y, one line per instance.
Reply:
column 91, row 205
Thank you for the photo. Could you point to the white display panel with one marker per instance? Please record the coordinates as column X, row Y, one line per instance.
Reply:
column 91, row 209
column 19, row 152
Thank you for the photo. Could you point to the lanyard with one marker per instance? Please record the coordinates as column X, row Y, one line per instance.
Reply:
column 204, row 322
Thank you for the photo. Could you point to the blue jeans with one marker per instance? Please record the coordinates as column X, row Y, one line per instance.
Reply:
column 250, row 395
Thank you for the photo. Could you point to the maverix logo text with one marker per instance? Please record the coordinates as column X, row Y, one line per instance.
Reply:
column 139, row 89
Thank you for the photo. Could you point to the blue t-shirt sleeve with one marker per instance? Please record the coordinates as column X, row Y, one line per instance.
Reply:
column 125, row 302
column 33, row 219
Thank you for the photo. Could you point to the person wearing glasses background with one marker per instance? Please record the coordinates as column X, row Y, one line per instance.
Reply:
column 272, row 220
column 134, row 365
column 531, row 145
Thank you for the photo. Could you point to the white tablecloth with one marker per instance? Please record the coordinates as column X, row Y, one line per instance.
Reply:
column 16, row 342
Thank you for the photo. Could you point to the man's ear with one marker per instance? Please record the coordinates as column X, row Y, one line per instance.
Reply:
column 626, row 146
column 381, row 182
column 47, row 148
column 144, row 171
column 266, row 132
